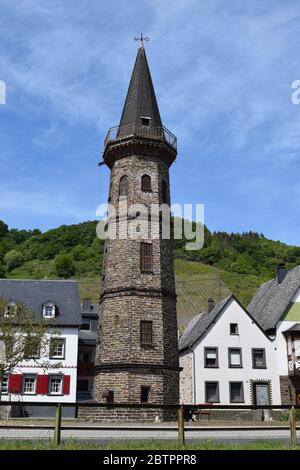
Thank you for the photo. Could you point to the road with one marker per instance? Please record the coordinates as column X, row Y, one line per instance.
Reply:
column 103, row 436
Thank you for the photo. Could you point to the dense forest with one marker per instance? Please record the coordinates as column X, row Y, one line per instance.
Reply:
column 75, row 251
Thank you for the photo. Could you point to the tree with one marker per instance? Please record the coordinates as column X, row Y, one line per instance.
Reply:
column 13, row 259
column 3, row 229
column 64, row 265
column 21, row 336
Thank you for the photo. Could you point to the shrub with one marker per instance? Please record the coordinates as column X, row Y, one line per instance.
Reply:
column 64, row 265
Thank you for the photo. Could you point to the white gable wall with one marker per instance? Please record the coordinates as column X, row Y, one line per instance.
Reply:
column 250, row 336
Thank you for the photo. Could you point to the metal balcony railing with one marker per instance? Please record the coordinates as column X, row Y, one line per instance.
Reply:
column 134, row 128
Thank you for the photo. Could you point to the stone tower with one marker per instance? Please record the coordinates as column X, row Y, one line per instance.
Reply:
column 137, row 348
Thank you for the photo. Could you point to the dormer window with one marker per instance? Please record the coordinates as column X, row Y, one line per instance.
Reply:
column 10, row 310
column 49, row 310
column 145, row 121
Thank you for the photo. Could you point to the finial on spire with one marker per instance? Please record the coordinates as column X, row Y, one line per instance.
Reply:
column 141, row 39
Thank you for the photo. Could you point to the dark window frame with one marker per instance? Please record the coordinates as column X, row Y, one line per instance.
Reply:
column 164, row 192
column 237, row 329
column 145, row 389
column 217, row 357
column 146, row 337
column 242, row 391
column 5, row 377
column 85, row 323
column 264, row 366
column 206, row 383
column 146, row 257
column 123, row 186
column 50, row 348
column 233, row 366
column 26, row 376
column 55, row 376
column 146, row 184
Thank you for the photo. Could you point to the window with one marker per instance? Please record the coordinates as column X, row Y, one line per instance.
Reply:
column 236, row 390
column 234, row 329
column 10, row 309
column 32, row 348
column 85, row 327
column 146, row 183
column 4, row 385
column 235, row 357
column 212, row 392
column 164, row 192
column 146, row 261
column 259, row 358
column 211, row 357
column 145, row 394
column 83, row 385
column 29, row 384
column 123, row 187
column 55, row 385
column 145, row 121
column 49, row 310
column 57, row 349
column 85, row 356
column 146, row 331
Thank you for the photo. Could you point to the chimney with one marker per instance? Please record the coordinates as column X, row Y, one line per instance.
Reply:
column 86, row 305
column 210, row 305
column 281, row 272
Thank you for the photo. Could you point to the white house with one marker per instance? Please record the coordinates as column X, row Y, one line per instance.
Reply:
column 51, row 375
column 227, row 358
column 276, row 307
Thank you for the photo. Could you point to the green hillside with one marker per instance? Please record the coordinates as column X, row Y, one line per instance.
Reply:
column 236, row 263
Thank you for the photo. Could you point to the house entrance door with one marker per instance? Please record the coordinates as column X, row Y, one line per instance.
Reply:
column 262, row 394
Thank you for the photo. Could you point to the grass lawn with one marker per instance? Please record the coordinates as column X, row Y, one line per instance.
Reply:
column 142, row 445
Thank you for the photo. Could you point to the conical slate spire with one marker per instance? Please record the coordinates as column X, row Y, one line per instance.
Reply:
column 141, row 101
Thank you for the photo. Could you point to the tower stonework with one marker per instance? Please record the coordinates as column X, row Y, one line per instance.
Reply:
column 137, row 348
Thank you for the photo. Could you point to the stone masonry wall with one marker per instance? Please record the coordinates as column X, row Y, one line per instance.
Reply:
column 186, row 382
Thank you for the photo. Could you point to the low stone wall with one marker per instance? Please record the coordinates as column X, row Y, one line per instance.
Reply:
column 133, row 415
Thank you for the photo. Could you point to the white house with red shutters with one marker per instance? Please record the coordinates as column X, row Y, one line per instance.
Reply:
column 51, row 375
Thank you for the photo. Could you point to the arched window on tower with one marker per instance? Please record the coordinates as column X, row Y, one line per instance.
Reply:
column 146, row 183
column 164, row 192
column 123, row 186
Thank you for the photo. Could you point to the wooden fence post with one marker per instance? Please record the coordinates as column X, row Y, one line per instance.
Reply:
column 57, row 429
column 293, row 423
column 181, row 436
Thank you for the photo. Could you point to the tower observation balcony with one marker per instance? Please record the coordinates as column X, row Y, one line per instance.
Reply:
column 136, row 129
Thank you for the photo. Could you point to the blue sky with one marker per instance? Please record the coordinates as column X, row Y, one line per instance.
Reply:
column 222, row 71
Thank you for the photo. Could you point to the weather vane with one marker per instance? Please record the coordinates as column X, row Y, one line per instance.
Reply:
column 141, row 39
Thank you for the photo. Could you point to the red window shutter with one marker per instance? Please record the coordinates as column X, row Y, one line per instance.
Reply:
column 67, row 381
column 15, row 383
column 42, row 385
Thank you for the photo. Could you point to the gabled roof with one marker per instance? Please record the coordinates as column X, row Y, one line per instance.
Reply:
column 33, row 294
column 199, row 324
column 272, row 299
column 141, row 99
column 202, row 322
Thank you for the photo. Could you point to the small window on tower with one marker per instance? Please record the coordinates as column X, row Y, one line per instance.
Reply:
column 146, row 333
column 164, row 192
column 146, row 260
column 123, row 186
column 145, row 121
column 146, row 183
column 145, row 394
